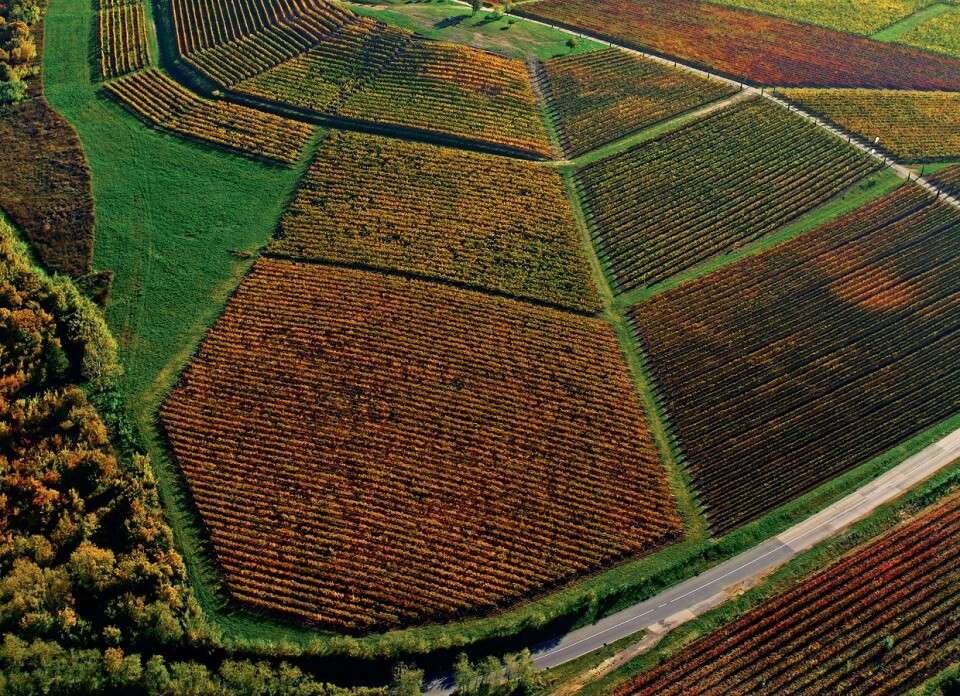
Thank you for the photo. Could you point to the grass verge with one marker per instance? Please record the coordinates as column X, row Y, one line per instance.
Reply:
column 503, row 34
column 864, row 191
column 883, row 520
column 908, row 24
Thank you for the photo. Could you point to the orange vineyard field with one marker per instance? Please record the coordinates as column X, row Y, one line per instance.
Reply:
column 601, row 96
column 371, row 451
column 910, row 125
column 322, row 58
column 878, row 622
column 162, row 102
column 324, row 77
column 493, row 222
column 815, row 356
column 759, row 48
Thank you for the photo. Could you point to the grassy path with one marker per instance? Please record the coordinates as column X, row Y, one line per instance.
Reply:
column 169, row 213
column 908, row 24
column 176, row 222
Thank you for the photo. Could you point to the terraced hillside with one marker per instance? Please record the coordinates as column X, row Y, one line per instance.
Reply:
column 325, row 60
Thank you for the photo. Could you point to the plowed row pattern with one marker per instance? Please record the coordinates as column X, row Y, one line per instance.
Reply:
column 816, row 356
column 739, row 174
column 323, row 58
column 877, row 622
column 324, row 77
column 910, row 125
column 230, row 40
column 759, row 48
column 164, row 103
column 122, row 39
column 449, row 89
column 948, row 180
column 367, row 450
column 601, row 96
column 494, row 222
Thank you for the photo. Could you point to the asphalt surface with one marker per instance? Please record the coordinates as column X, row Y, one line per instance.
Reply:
column 703, row 592
column 697, row 595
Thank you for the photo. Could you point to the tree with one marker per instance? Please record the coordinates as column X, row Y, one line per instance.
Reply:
column 491, row 673
column 12, row 91
column 526, row 673
column 407, row 681
column 476, row 5
column 466, row 678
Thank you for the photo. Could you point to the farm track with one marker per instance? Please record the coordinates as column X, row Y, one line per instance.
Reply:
column 901, row 171
column 710, row 589
column 699, row 594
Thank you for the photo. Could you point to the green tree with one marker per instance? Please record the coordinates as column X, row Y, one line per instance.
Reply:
column 466, row 678
column 407, row 681
column 491, row 673
column 476, row 5
column 12, row 91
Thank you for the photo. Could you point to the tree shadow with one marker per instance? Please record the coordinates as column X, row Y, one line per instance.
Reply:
column 448, row 22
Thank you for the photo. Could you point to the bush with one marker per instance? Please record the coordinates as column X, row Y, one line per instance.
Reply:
column 12, row 91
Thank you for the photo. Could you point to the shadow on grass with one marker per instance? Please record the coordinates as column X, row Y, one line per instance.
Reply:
column 448, row 22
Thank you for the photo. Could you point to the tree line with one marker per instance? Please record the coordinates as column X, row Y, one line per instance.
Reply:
column 18, row 47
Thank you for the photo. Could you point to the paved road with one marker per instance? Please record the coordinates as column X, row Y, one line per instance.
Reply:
column 901, row 171
column 697, row 595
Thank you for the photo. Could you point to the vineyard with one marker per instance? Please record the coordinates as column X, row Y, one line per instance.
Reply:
column 911, row 125
column 860, row 17
column 122, row 33
column 879, row 621
column 161, row 102
column 448, row 89
column 815, row 356
column 323, row 78
column 757, row 164
column 601, row 96
column 948, row 179
column 480, row 220
column 321, row 57
column 229, row 41
column 369, row 451
column 940, row 34
column 759, row 48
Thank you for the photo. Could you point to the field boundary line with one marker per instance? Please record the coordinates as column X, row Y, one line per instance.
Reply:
column 902, row 171
column 694, row 597
column 434, row 279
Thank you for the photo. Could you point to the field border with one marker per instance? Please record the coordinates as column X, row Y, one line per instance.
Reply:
column 819, row 558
